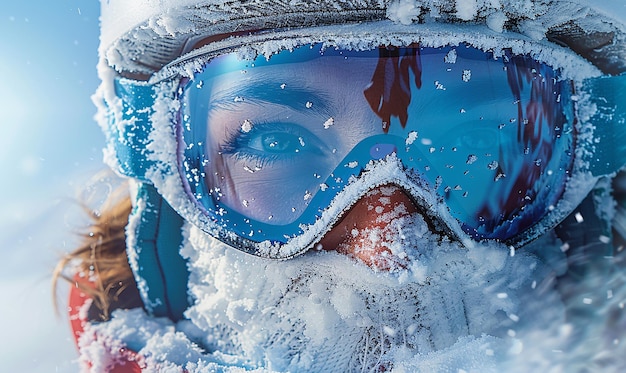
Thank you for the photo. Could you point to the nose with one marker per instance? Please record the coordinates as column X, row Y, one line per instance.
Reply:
column 366, row 231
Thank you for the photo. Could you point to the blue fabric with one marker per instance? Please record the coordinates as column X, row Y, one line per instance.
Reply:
column 129, row 138
column 159, row 264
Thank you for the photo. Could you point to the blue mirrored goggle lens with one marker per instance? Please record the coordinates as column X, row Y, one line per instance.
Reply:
column 270, row 143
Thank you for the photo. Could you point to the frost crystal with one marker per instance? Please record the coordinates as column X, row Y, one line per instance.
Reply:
column 246, row 126
column 410, row 139
column 450, row 57
column 353, row 164
column 466, row 9
column 467, row 75
column 579, row 217
column 251, row 169
column 403, row 11
column 329, row 123
column 496, row 21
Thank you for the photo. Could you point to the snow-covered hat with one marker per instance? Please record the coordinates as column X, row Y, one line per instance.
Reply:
column 140, row 36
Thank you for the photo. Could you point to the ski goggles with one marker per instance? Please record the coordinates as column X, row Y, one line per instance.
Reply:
column 266, row 154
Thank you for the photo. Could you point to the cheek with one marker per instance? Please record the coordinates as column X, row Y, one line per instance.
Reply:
column 267, row 195
column 274, row 194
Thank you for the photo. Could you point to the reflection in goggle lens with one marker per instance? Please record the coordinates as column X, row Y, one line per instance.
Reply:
column 270, row 143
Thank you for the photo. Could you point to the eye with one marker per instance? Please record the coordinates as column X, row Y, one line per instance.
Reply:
column 277, row 142
column 269, row 142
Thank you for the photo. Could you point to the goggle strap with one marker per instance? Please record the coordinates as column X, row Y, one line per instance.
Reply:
column 128, row 138
column 608, row 93
column 129, row 134
column 153, row 250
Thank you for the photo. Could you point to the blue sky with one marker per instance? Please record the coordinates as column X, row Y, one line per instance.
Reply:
column 49, row 146
column 48, row 74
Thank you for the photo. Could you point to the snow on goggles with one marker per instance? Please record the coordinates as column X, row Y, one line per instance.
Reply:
column 271, row 152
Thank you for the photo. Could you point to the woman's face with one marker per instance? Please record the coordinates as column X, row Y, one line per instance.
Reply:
column 283, row 130
column 287, row 134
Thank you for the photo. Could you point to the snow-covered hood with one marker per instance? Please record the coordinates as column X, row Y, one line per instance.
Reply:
column 143, row 35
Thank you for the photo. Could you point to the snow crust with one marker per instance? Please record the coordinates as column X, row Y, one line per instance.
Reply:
column 159, row 30
column 326, row 312
column 171, row 17
column 453, row 309
column 368, row 36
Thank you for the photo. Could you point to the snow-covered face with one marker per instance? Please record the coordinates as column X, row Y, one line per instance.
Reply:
column 384, row 285
column 273, row 145
column 325, row 311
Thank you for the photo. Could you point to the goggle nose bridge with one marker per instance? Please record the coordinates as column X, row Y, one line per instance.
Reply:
column 377, row 147
column 382, row 159
column 379, row 151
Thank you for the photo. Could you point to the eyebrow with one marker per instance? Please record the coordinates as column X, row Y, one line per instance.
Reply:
column 279, row 92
